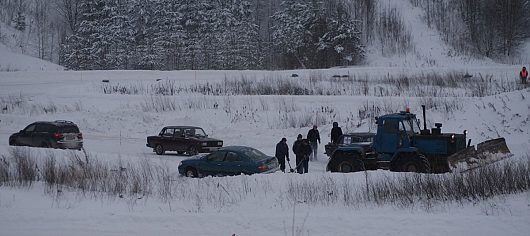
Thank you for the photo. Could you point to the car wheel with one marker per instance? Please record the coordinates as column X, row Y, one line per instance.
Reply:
column 159, row 149
column 191, row 172
column 180, row 152
column 192, row 151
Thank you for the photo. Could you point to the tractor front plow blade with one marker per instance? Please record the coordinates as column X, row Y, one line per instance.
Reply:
column 487, row 152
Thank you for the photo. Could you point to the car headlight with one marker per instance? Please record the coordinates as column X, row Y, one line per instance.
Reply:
column 204, row 144
column 219, row 143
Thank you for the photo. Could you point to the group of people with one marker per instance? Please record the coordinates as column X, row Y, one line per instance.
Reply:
column 305, row 150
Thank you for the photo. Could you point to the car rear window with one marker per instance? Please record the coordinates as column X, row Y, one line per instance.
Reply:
column 254, row 154
column 68, row 129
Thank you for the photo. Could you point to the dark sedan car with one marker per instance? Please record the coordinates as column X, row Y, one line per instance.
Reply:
column 231, row 160
column 189, row 139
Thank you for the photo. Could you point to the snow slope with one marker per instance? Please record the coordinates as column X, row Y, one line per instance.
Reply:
column 10, row 61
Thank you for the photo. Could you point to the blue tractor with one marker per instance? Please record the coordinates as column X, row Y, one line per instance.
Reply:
column 401, row 145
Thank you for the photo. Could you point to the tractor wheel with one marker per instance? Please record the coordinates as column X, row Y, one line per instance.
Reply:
column 346, row 163
column 350, row 166
column 418, row 164
column 159, row 149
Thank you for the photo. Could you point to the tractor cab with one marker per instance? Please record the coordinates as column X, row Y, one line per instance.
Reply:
column 394, row 132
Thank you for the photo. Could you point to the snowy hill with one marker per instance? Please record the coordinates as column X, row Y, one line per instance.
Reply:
column 10, row 61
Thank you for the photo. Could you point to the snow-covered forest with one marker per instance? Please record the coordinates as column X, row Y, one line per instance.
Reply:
column 253, row 34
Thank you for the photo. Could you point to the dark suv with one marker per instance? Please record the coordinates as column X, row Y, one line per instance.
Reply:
column 347, row 139
column 181, row 139
column 49, row 134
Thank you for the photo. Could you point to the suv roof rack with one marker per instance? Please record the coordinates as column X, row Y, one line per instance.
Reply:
column 64, row 121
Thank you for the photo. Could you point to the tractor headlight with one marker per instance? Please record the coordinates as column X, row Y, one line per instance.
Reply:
column 453, row 137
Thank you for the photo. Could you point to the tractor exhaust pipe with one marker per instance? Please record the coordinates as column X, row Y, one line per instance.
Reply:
column 425, row 131
column 424, row 119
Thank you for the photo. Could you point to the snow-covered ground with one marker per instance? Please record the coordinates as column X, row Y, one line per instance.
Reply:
column 115, row 127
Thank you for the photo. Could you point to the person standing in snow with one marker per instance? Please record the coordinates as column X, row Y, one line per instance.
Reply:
column 313, row 136
column 302, row 150
column 282, row 153
column 336, row 132
column 524, row 75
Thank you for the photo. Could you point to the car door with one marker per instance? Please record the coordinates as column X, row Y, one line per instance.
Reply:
column 236, row 164
column 168, row 139
column 178, row 140
column 41, row 135
column 25, row 135
column 188, row 138
column 214, row 164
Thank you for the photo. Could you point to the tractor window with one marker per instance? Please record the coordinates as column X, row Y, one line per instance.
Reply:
column 407, row 126
column 390, row 126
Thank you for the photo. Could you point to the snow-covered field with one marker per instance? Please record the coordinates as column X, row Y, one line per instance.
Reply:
column 115, row 125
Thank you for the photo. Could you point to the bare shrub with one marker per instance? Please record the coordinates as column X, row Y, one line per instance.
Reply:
column 25, row 166
column 158, row 104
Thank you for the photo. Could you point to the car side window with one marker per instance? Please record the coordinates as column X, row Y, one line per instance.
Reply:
column 44, row 128
column 217, row 156
column 189, row 132
column 232, row 156
column 40, row 128
column 178, row 133
column 347, row 140
column 168, row 133
column 30, row 128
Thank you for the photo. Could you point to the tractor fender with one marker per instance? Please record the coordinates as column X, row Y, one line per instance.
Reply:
column 350, row 149
column 403, row 153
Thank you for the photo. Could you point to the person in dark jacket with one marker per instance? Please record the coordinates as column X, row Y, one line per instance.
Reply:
column 282, row 153
column 336, row 132
column 313, row 136
column 302, row 154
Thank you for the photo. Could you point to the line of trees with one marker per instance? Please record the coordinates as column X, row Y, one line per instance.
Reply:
column 490, row 28
column 169, row 35
column 203, row 34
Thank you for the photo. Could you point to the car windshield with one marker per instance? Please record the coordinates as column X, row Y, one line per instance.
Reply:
column 200, row 133
column 254, row 154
